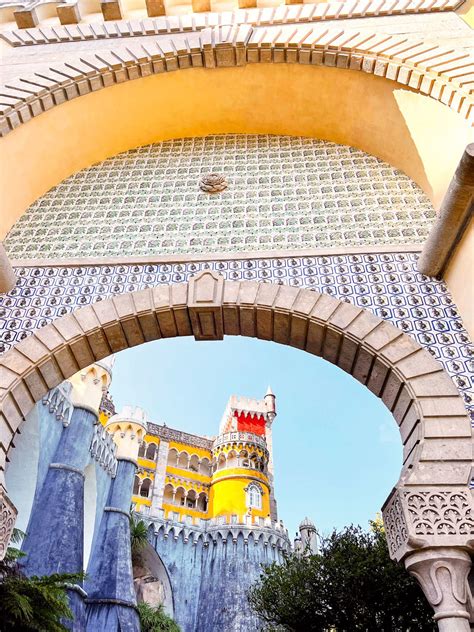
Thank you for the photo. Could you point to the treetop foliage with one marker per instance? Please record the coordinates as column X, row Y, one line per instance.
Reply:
column 351, row 585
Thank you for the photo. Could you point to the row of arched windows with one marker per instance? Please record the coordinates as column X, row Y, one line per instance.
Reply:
column 240, row 459
column 148, row 451
column 191, row 462
column 142, row 487
column 190, row 499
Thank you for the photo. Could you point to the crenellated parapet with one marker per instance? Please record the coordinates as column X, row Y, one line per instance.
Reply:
column 170, row 434
column 264, row 532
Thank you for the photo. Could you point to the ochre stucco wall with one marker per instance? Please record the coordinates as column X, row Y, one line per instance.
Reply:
column 460, row 278
column 228, row 496
column 413, row 132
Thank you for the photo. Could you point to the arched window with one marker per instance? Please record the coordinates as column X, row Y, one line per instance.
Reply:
column 136, row 486
column 142, row 449
column 254, row 496
column 145, row 488
column 151, row 452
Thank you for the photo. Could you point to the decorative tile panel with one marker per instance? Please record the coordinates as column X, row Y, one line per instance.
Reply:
column 387, row 284
column 283, row 193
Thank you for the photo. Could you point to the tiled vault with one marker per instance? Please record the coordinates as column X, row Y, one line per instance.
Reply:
column 284, row 193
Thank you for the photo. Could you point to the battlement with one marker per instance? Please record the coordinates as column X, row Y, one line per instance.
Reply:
column 170, row 434
column 270, row 533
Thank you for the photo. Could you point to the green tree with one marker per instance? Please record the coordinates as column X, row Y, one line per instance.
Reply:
column 138, row 537
column 30, row 604
column 351, row 585
column 155, row 619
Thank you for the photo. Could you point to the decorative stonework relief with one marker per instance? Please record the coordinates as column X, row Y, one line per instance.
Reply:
column 430, row 517
column 440, row 512
column 8, row 514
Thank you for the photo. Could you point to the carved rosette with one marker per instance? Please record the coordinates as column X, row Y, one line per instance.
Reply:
column 416, row 518
column 213, row 183
column 8, row 515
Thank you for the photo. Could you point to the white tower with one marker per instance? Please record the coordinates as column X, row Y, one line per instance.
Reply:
column 308, row 537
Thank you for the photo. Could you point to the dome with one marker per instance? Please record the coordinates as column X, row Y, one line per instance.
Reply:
column 107, row 364
column 130, row 414
column 307, row 524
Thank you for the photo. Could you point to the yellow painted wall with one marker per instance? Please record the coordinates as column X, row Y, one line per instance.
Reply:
column 228, row 497
column 183, row 511
column 146, row 463
column 140, row 500
column 195, row 476
column 460, row 278
column 420, row 136
column 190, row 449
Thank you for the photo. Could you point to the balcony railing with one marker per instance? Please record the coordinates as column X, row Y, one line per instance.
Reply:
column 240, row 437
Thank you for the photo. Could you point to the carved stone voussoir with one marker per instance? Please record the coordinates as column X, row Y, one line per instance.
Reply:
column 205, row 305
column 416, row 518
column 8, row 515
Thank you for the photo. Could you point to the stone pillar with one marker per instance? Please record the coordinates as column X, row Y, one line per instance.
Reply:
column 7, row 275
column 54, row 541
column 443, row 575
column 160, row 477
column 111, row 603
column 456, row 209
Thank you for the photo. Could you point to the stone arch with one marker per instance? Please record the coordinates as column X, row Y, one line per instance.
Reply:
column 245, row 65
column 426, row 405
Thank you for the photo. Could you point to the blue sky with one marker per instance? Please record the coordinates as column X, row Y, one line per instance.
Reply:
column 337, row 451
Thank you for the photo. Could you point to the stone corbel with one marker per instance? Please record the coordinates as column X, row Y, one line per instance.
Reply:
column 417, row 518
column 443, row 575
column 7, row 275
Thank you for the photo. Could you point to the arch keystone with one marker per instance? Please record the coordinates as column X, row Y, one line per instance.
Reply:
column 205, row 293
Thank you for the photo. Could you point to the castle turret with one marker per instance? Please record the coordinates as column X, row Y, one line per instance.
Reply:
column 59, row 505
column 308, row 537
column 111, row 596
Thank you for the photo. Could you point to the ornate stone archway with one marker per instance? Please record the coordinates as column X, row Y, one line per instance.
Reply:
column 427, row 516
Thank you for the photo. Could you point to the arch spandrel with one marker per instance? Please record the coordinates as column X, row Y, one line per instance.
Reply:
column 433, row 424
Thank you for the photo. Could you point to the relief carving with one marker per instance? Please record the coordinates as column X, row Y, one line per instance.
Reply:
column 8, row 515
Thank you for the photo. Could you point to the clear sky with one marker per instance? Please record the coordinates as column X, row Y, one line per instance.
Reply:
column 337, row 451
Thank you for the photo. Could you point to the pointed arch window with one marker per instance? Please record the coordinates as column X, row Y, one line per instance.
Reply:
column 254, row 496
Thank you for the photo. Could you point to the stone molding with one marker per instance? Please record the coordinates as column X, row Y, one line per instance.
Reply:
column 222, row 256
column 424, row 68
column 434, row 428
column 30, row 30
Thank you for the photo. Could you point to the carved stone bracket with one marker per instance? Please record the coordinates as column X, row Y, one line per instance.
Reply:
column 443, row 575
column 204, row 304
column 420, row 517
column 8, row 515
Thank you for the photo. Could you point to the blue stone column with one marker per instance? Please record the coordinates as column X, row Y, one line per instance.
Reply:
column 54, row 541
column 111, row 601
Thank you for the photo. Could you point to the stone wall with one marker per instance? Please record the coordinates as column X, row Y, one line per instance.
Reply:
column 210, row 574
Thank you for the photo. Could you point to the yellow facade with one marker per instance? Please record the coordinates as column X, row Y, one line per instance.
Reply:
column 228, row 496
